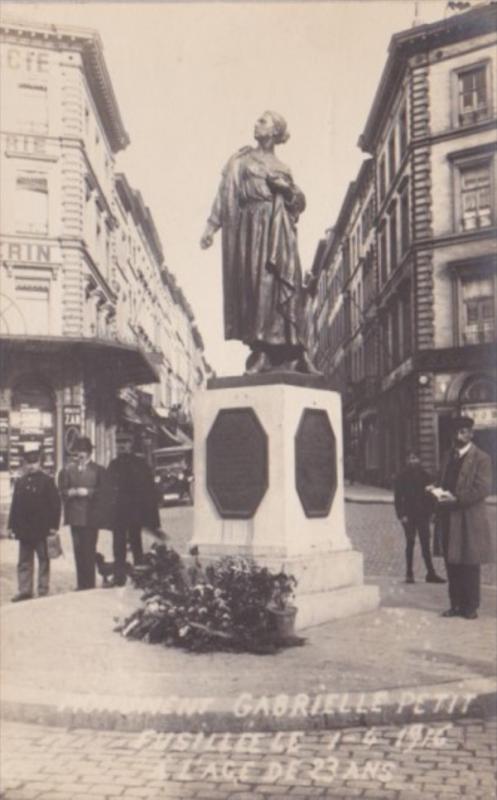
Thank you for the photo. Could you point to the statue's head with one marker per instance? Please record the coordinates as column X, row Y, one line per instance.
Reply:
column 272, row 124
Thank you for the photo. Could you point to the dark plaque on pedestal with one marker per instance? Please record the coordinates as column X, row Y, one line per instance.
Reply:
column 237, row 463
column 315, row 462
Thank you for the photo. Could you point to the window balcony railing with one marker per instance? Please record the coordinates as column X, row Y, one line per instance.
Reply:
column 473, row 116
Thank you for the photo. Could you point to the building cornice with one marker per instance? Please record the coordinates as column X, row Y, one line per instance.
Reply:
column 415, row 41
column 87, row 42
column 460, row 237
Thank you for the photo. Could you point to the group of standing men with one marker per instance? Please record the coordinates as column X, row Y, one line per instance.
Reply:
column 121, row 498
column 457, row 502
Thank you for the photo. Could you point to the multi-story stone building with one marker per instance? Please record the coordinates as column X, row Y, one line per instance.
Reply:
column 428, row 313
column 88, row 310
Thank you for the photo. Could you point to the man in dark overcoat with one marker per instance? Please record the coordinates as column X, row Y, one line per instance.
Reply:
column 414, row 508
column 34, row 514
column 80, row 484
column 135, row 505
column 462, row 522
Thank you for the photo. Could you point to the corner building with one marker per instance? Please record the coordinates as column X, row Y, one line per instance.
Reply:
column 430, row 308
column 82, row 296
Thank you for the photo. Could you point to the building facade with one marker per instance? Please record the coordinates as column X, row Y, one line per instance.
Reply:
column 422, row 346
column 87, row 316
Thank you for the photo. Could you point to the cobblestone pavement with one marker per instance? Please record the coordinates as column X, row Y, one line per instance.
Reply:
column 448, row 761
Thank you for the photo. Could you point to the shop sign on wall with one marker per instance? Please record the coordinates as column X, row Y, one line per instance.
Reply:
column 72, row 427
column 482, row 416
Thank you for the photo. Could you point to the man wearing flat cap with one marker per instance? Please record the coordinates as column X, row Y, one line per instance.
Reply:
column 462, row 523
column 34, row 514
column 80, row 484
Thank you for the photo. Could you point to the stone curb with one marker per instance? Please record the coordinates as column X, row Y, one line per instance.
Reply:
column 369, row 500
column 382, row 500
column 471, row 698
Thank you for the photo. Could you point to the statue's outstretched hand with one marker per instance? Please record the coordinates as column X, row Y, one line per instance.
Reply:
column 206, row 241
column 207, row 237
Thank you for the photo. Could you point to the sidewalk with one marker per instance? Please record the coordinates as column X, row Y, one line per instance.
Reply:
column 62, row 663
column 362, row 493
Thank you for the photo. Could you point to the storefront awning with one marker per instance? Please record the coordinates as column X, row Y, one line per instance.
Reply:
column 119, row 363
column 137, row 417
column 174, row 436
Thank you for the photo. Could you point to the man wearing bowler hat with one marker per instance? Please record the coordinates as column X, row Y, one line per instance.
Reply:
column 462, row 523
column 80, row 484
column 34, row 514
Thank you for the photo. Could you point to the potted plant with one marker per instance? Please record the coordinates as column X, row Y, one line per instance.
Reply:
column 280, row 608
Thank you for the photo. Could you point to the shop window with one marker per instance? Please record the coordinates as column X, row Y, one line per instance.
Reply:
column 473, row 94
column 478, row 310
column 32, row 108
column 32, row 421
column 31, row 203
column 475, row 196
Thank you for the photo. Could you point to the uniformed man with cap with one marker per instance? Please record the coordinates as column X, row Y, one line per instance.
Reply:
column 34, row 514
column 462, row 522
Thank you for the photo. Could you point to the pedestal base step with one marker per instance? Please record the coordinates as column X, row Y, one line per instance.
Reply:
column 314, row 608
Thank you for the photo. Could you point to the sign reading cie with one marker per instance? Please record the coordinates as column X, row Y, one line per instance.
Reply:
column 20, row 58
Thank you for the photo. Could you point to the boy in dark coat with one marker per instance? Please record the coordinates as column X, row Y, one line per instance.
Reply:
column 414, row 508
column 80, row 484
column 34, row 514
column 135, row 506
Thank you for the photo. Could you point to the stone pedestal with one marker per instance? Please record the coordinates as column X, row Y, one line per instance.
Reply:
column 269, row 485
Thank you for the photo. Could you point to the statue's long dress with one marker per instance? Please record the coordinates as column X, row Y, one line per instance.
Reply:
column 262, row 276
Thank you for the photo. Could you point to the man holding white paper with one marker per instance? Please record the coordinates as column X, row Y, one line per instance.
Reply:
column 462, row 523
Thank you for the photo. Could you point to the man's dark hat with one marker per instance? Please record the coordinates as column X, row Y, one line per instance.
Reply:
column 460, row 423
column 83, row 444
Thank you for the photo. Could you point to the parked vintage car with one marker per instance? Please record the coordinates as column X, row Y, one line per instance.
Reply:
column 173, row 475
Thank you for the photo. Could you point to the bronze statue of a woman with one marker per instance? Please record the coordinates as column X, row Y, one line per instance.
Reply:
column 257, row 207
